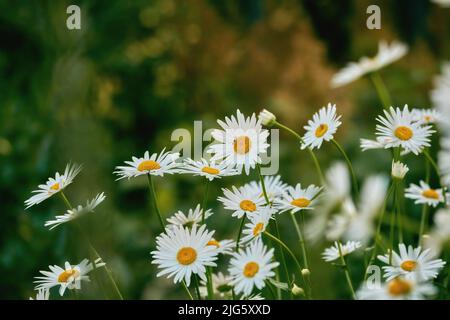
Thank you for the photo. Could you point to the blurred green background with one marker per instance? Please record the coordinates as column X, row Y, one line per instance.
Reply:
column 139, row 69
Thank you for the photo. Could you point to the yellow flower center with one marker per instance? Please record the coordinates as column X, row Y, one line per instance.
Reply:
column 66, row 274
column 398, row 287
column 301, row 202
column 210, row 170
column 248, row 205
column 321, row 130
column 242, row 145
column 55, row 187
column 148, row 165
column 427, row 118
column 213, row 242
column 403, row 133
column 186, row 256
column 258, row 228
column 431, row 194
column 251, row 269
column 409, row 265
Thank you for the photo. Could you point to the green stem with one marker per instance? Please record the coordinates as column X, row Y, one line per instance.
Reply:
column 196, row 285
column 187, row 290
column 241, row 226
column 382, row 91
column 392, row 227
column 349, row 164
column 347, row 271
column 263, row 184
column 424, row 217
column 301, row 240
column 398, row 211
column 155, row 201
column 205, row 200
column 209, row 283
column 283, row 258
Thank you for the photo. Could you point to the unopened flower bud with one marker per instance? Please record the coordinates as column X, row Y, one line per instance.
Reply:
column 297, row 291
column 267, row 118
column 399, row 170
column 306, row 272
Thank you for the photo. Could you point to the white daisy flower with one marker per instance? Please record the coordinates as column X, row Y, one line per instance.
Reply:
column 399, row 170
column 386, row 55
column 426, row 116
column 321, row 128
column 411, row 263
column 209, row 170
column 225, row 247
column 240, row 143
column 193, row 218
column 396, row 289
column 444, row 160
column 54, row 185
column 251, row 267
column 267, row 118
column 379, row 143
column 332, row 253
column 275, row 187
column 42, row 294
column 296, row 199
column 439, row 236
column 181, row 252
column 252, row 297
column 442, row 3
column 69, row 277
column 221, row 285
column 77, row 212
column 257, row 225
column 440, row 96
column 424, row 194
column 400, row 130
column 242, row 201
column 156, row 165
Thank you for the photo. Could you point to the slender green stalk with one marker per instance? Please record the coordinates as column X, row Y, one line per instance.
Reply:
column 438, row 173
column 347, row 271
column 392, row 227
column 301, row 240
column 241, row 226
column 155, row 201
column 424, row 217
column 349, row 164
column 205, row 200
column 311, row 152
column 382, row 91
column 209, row 281
column 400, row 191
column 187, row 290
column 196, row 286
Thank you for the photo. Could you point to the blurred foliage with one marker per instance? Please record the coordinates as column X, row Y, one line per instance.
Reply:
column 138, row 70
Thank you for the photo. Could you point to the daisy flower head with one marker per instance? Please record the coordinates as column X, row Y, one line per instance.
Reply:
column 386, row 55
column 275, row 187
column 400, row 130
column 257, row 225
column 398, row 170
column 332, row 253
column 221, row 285
column 42, row 294
column 240, row 143
column 396, row 289
column 426, row 116
column 77, row 212
column 54, row 185
column 296, row 199
column 69, row 277
column 411, row 263
column 156, row 165
column 209, row 170
column 242, row 201
column 193, row 217
column 424, row 194
column 225, row 247
column 251, row 267
column 322, row 127
column 181, row 252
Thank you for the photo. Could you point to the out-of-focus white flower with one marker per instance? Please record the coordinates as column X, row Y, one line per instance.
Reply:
column 426, row 116
column 275, row 187
column 442, row 3
column 221, row 285
column 396, row 289
column 42, row 294
column 439, row 236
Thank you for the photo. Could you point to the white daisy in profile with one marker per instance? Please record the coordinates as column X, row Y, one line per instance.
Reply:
column 439, row 236
column 241, row 201
column 321, row 128
column 69, row 277
column 181, row 252
column 156, row 165
column 379, row 143
column 400, row 130
column 267, row 118
column 396, row 289
column 275, row 187
column 42, row 294
column 257, row 225
column 249, row 268
column 296, row 199
column 411, row 263
column 193, row 217
column 398, row 170
column 221, row 285
column 426, row 116
column 386, row 55
column 225, row 247
column 77, row 212
column 54, row 185
column 332, row 253
column 240, row 142
column 424, row 194
column 209, row 170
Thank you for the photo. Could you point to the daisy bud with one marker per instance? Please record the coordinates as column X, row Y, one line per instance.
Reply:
column 399, row 170
column 297, row 291
column 267, row 118
column 306, row 272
